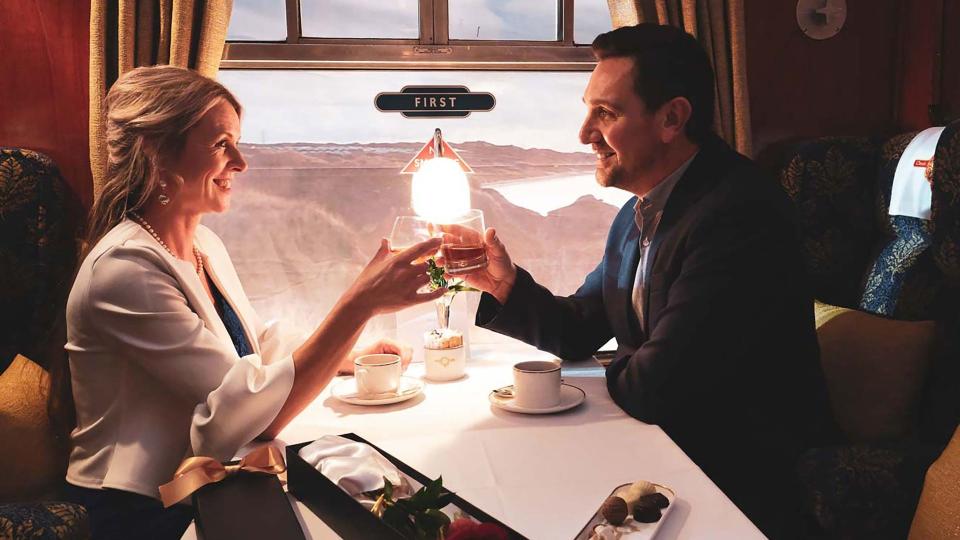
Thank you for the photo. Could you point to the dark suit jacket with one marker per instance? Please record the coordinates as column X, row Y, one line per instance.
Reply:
column 728, row 364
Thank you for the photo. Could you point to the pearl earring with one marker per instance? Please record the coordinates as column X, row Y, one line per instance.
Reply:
column 163, row 198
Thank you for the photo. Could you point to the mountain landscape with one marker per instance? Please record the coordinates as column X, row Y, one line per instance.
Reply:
column 305, row 218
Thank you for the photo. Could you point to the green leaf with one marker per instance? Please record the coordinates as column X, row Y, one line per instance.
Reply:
column 444, row 500
column 433, row 488
column 387, row 489
column 398, row 519
column 441, row 519
column 437, row 281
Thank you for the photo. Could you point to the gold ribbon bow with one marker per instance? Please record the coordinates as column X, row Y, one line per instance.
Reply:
column 196, row 472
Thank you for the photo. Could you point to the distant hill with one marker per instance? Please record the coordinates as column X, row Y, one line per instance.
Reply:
column 492, row 163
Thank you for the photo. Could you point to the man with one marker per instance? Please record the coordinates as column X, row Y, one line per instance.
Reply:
column 701, row 281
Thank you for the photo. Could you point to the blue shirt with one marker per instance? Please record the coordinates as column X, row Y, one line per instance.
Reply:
column 649, row 210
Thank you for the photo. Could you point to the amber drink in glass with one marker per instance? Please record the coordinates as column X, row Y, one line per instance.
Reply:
column 463, row 248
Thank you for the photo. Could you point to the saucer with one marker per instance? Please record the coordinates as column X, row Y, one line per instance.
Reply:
column 346, row 391
column 570, row 397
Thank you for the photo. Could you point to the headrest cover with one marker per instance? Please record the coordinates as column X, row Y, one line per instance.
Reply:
column 911, row 194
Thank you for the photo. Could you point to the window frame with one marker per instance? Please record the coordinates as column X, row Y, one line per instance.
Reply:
column 434, row 50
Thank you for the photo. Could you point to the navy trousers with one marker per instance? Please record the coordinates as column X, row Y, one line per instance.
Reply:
column 122, row 515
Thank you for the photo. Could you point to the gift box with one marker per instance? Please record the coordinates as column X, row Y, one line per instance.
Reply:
column 347, row 517
column 245, row 506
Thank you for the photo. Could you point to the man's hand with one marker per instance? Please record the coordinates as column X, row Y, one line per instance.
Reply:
column 383, row 346
column 498, row 277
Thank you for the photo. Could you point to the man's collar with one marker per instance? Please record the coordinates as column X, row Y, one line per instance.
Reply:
column 657, row 197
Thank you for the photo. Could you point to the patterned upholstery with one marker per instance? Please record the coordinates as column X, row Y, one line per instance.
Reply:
column 898, row 267
column 38, row 224
column 830, row 181
column 908, row 280
column 858, row 255
column 866, row 491
column 47, row 521
column 39, row 220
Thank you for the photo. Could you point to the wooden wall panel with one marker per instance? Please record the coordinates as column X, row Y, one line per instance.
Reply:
column 43, row 93
column 800, row 87
column 950, row 87
column 915, row 82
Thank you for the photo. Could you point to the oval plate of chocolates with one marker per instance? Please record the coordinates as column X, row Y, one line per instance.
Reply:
column 632, row 511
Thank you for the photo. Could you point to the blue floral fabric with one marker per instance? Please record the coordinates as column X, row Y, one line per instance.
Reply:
column 232, row 322
column 896, row 261
column 44, row 521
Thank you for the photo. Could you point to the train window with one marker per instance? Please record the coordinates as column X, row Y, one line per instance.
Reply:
column 258, row 20
column 324, row 181
column 415, row 34
column 356, row 19
column 591, row 17
column 533, row 20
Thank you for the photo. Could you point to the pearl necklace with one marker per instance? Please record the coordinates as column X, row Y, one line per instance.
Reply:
column 146, row 226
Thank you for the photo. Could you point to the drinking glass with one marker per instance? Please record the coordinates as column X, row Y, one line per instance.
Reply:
column 410, row 230
column 463, row 248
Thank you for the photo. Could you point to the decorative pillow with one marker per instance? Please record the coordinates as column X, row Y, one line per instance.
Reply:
column 874, row 368
column 35, row 466
column 938, row 514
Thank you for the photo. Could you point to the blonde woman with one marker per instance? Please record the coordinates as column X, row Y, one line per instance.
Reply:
column 167, row 357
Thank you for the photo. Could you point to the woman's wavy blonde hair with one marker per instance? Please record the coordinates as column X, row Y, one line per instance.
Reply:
column 148, row 112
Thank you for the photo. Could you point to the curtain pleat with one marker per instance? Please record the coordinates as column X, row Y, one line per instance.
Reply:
column 163, row 38
column 181, row 33
column 738, row 76
column 719, row 26
column 125, row 34
column 147, row 28
column 624, row 13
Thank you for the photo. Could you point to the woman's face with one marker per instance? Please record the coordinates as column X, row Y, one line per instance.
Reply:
column 208, row 162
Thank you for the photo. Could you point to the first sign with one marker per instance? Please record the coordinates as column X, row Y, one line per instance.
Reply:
column 434, row 101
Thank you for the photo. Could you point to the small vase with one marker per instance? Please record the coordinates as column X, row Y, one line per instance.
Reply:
column 444, row 354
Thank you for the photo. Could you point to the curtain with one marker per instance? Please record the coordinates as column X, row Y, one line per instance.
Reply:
column 125, row 34
column 719, row 26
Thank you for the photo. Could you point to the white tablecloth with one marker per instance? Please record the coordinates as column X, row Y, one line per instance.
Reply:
column 544, row 475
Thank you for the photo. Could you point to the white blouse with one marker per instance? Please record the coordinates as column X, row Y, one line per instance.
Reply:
column 155, row 375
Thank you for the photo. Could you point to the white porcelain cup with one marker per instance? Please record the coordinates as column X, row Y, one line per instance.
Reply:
column 444, row 364
column 377, row 373
column 536, row 384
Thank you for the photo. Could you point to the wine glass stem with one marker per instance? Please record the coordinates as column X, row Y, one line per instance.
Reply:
column 443, row 312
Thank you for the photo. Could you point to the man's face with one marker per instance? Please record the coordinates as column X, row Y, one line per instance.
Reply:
column 623, row 134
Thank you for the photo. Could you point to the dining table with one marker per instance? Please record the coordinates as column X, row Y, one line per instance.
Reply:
column 544, row 475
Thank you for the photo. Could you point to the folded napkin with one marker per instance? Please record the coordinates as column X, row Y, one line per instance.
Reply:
column 910, row 194
column 355, row 467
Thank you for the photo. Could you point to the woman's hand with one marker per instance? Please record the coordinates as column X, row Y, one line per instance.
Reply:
column 391, row 282
column 383, row 346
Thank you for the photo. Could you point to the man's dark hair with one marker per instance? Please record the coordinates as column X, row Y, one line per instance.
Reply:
column 668, row 63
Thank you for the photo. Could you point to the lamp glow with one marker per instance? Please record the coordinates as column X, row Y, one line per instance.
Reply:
column 440, row 191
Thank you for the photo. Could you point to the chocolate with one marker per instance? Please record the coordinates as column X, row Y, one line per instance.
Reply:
column 646, row 513
column 614, row 510
column 654, row 499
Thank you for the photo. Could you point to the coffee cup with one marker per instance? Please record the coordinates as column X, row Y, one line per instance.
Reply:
column 377, row 373
column 536, row 384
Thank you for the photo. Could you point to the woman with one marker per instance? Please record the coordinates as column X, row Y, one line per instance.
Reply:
column 167, row 357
